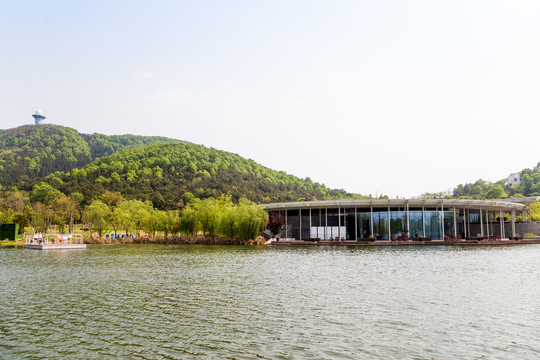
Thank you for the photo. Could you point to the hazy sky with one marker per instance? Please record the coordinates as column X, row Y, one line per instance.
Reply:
column 392, row 97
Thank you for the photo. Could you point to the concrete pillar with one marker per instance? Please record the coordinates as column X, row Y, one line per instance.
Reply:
column 513, row 222
column 423, row 221
column 300, row 219
column 371, row 225
column 355, row 224
column 481, row 223
column 286, row 224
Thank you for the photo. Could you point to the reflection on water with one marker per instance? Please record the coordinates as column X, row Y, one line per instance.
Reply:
column 175, row 302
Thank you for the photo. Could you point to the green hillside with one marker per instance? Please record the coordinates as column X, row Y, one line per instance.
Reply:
column 480, row 189
column 31, row 152
column 158, row 169
column 161, row 173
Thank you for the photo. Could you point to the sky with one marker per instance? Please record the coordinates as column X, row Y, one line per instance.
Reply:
column 374, row 97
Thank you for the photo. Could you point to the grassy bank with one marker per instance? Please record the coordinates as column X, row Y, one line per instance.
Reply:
column 11, row 242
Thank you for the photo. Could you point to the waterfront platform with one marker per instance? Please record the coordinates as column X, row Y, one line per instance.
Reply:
column 54, row 246
column 402, row 243
column 54, row 242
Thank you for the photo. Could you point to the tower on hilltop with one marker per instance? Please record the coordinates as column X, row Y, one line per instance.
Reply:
column 38, row 116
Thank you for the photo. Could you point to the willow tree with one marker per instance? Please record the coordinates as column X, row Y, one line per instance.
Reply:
column 97, row 215
column 122, row 216
column 251, row 220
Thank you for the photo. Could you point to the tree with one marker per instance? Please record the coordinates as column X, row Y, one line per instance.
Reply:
column 45, row 193
column 275, row 223
column 112, row 199
column 42, row 217
column 79, row 200
column 97, row 215
column 496, row 192
column 122, row 215
column 23, row 218
column 535, row 211
column 166, row 222
column 17, row 200
column 139, row 212
column 189, row 222
column 152, row 221
column 64, row 210
column 187, row 198
column 251, row 220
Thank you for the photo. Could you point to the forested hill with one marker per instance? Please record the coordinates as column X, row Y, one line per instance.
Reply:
column 31, row 152
column 529, row 186
column 162, row 173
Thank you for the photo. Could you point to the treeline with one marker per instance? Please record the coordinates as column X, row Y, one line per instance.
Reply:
column 529, row 186
column 45, row 206
column 32, row 152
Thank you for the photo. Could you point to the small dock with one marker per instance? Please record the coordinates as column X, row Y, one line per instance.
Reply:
column 54, row 242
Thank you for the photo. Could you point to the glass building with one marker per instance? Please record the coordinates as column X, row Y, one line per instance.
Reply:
column 397, row 219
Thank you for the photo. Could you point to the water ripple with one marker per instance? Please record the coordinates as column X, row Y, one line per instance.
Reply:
column 178, row 302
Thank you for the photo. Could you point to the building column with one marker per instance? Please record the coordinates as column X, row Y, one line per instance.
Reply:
column 442, row 220
column 464, row 223
column 408, row 223
column 423, row 221
column 325, row 223
column 513, row 222
column 345, row 221
column 455, row 223
column 389, row 227
column 469, row 222
column 310, row 223
column 355, row 224
column 286, row 224
column 371, row 224
column 481, row 223
column 300, row 219
column 490, row 231
column 501, row 223
column 339, row 223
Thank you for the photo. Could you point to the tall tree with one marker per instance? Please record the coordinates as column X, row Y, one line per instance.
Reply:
column 97, row 215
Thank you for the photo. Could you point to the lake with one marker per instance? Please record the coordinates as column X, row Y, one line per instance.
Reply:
column 236, row 302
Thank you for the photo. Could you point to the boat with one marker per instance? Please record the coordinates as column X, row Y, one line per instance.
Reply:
column 54, row 242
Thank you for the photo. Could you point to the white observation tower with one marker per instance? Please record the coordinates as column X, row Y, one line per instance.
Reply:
column 38, row 116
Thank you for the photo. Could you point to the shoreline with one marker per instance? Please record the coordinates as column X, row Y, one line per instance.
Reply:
column 403, row 243
column 178, row 240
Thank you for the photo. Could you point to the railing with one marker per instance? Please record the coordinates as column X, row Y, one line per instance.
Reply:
column 54, row 239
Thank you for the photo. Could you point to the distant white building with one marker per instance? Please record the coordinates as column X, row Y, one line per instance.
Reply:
column 513, row 179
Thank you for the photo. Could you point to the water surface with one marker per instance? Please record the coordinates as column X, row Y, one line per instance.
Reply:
column 178, row 302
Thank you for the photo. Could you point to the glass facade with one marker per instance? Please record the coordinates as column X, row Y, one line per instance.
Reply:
column 432, row 224
column 380, row 225
column 398, row 224
column 416, row 222
column 386, row 224
column 364, row 225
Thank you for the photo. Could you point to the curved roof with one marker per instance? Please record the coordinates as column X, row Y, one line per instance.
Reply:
column 446, row 203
